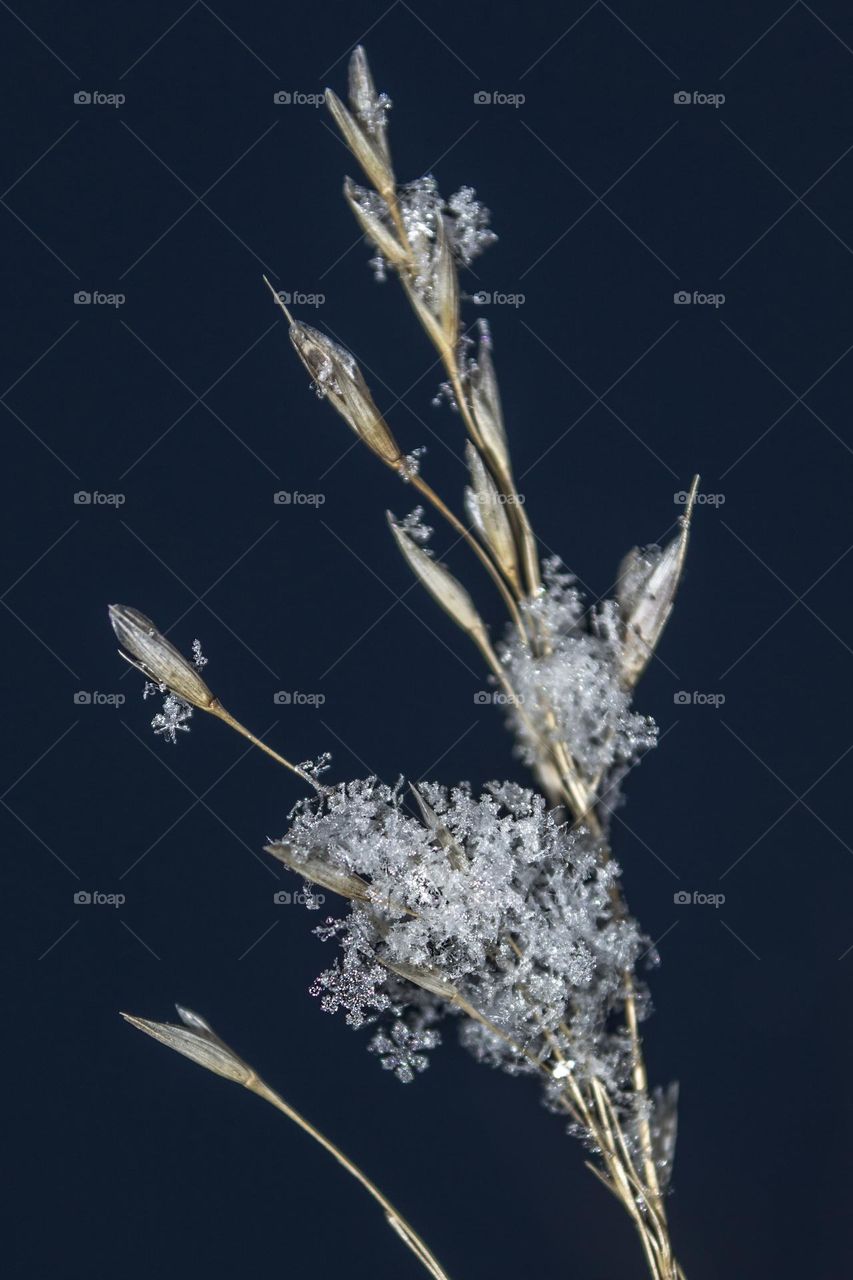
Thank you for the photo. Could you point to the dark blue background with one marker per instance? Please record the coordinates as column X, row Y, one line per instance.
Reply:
column 608, row 198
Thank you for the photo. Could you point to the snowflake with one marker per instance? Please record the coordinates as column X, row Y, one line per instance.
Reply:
column 174, row 716
column 489, row 897
column 399, row 1052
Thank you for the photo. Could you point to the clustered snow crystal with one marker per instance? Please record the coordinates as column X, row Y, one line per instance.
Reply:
column 175, row 714
column 468, row 903
column 571, row 691
column 466, row 225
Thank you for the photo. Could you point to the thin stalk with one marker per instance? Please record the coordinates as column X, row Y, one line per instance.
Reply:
column 217, row 709
column 426, row 490
column 393, row 1216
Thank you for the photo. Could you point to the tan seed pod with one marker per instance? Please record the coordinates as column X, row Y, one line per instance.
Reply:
column 318, row 872
column 196, row 1040
column 486, row 403
column 157, row 658
column 366, row 104
column 488, row 511
column 369, row 154
column 445, row 286
column 375, row 229
column 646, row 593
column 440, row 583
column 338, row 378
column 455, row 852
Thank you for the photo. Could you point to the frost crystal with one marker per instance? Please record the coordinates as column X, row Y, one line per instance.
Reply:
column 469, row 230
column 664, row 1129
column 466, row 225
column 174, row 716
column 488, row 897
column 577, row 677
column 401, row 1050
column 412, row 463
column 415, row 526
column 317, row 767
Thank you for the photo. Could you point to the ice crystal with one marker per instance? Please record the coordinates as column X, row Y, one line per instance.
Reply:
column 372, row 112
column 421, row 204
column 416, row 527
column 489, row 898
column 401, row 1049
column 379, row 267
column 575, row 675
column 173, row 718
column 412, row 463
column 175, row 714
column 470, row 234
column 317, row 767
column 445, row 395
column 664, row 1129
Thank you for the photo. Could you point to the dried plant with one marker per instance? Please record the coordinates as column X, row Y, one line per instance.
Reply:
column 503, row 909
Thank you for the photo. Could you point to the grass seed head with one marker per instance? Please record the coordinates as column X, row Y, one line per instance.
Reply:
column 338, row 378
column 440, row 583
column 157, row 658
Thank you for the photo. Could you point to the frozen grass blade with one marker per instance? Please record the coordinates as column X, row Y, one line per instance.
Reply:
column 195, row 1039
column 160, row 662
column 503, row 908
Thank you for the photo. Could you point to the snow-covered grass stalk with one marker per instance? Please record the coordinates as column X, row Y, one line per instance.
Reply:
column 502, row 908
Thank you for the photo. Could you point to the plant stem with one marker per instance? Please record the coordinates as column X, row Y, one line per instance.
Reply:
column 393, row 1216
